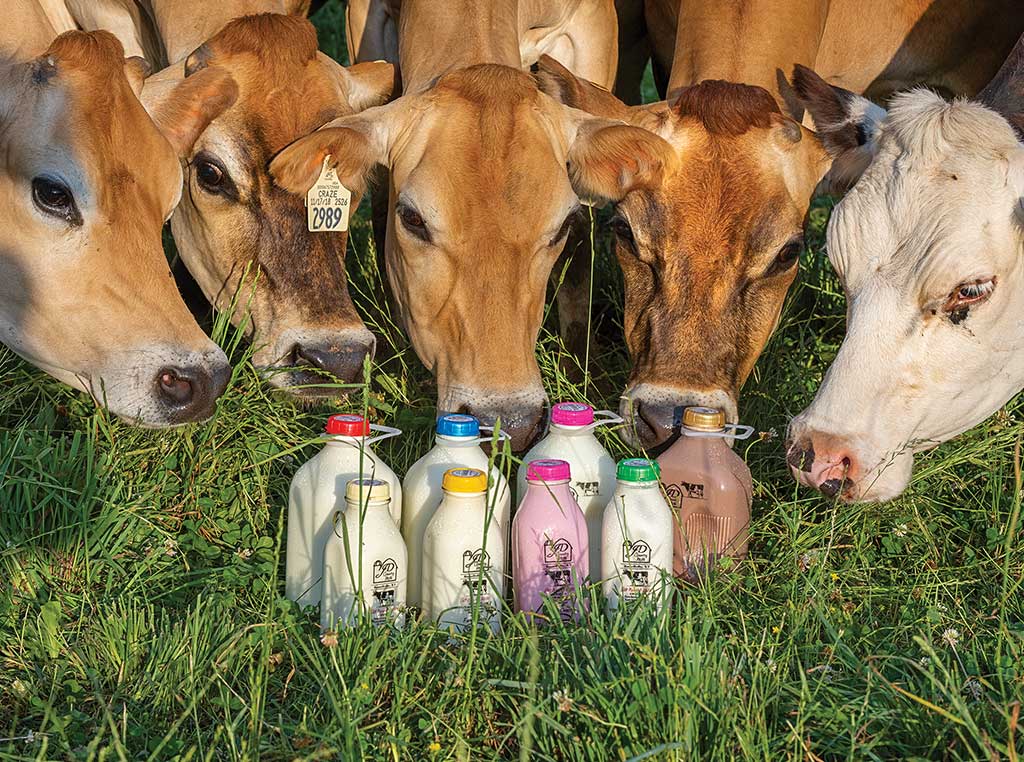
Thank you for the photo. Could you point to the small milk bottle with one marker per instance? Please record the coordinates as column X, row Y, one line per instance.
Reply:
column 457, row 444
column 550, row 553
column 571, row 438
column 463, row 556
column 636, row 541
column 364, row 560
column 318, row 492
column 709, row 489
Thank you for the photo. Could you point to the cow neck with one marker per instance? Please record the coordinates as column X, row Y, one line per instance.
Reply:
column 709, row 41
column 467, row 32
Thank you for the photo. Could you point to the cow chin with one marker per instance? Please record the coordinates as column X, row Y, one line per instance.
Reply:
column 315, row 364
column 652, row 411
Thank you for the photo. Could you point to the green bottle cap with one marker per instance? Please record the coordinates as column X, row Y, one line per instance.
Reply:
column 637, row 470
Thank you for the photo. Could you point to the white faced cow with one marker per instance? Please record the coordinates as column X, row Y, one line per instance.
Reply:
column 929, row 245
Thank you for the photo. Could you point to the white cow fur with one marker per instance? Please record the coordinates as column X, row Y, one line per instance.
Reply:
column 939, row 206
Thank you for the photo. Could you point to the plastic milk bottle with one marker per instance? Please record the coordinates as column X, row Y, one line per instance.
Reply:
column 457, row 444
column 709, row 488
column 636, row 541
column 550, row 553
column 318, row 492
column 571, row 438
column 364, row 560
column 463, row 556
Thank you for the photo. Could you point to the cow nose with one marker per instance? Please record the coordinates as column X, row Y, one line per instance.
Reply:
column 522, row 424
column 824, row 463
column 190, row 392
column 344, row 363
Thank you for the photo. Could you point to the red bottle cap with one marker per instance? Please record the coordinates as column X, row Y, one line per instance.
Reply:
column 547, row 471
column 572, row 414
column 346, row 425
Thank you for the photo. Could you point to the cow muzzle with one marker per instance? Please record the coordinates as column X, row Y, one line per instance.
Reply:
column 652, row 412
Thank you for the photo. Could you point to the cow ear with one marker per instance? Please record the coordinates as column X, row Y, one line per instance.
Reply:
column 355, row 146
column 367, row 84
column 847, row 124
column 608, row 160
column 556, row 81
column 184, row 106
column 1015, row 179
column 136, row 69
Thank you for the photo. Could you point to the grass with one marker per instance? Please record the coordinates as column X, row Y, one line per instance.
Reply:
column 142, row 614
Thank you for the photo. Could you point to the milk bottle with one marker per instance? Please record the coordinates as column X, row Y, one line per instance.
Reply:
column 364, row 560
column 457, row 444
column 550, row 553
column 709, row 489
column 636, row 539
column 318, row 492
column 463, row 556
column 571, row 438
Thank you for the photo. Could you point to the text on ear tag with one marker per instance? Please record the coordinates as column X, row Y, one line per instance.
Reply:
column 327, row 202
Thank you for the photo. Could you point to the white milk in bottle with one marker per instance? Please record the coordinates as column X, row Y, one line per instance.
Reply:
column 364, row 560
column 636, row 539
column 457, row 444
column 571, row 438
column 463, row 556
column 318, row 492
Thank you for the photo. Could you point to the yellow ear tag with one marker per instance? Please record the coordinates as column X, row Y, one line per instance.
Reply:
column 327, row 202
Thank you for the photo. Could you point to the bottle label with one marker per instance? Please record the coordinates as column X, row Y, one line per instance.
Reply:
column 585, row 489
column 385, row 590
column 636, row 569
column 676, row 493
column 476, row 590
column 558, row 556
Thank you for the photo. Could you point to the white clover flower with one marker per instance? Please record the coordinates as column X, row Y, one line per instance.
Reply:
column 901, row 530
column 951, row 635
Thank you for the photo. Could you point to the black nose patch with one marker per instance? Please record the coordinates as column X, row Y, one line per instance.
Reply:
column 801, row 458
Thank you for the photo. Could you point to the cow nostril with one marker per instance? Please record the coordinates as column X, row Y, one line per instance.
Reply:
column 344, row 363
column 831, row 487
column 175, row 386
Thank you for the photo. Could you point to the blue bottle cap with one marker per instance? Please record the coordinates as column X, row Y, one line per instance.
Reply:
column 458, row 425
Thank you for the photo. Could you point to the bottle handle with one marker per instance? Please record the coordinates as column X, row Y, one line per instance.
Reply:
column 730, row 431
column 502, row 434
column 605, row 418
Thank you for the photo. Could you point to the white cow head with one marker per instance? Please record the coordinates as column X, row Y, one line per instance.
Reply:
column 929, row 246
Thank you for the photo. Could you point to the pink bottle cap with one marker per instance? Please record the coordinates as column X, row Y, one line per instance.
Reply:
column 547, row 471
column 572, row 414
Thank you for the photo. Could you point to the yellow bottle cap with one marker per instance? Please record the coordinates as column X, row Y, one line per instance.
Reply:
column 362, row 490
column 703, row 419
column 464, row 480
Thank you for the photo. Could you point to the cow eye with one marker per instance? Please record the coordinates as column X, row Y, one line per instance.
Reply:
column 52, row 197
column 413, row 222
column 968, row 294
column 622, row 230
column 210, row 176
column 786, row 258
column 563, row 231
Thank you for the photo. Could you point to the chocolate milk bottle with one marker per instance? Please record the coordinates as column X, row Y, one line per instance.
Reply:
column 708, row 487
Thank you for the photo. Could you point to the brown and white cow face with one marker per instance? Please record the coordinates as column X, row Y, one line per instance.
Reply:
column 709, row 254
column 87, row 182
column 929, row 245
column 243, row 238
column 480, row 204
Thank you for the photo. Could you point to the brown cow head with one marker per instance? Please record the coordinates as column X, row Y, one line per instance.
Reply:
column 480, row 204
column 243, row 238
column 87, row 182
column 709, row 254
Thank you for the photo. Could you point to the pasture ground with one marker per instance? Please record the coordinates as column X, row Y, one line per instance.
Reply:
column 141, row 609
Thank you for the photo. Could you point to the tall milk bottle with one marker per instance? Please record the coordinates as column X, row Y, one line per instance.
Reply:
column 464, row 556
column 709, row 489
column 636, row 540
column 457, row 443
column 364, row 560
column 571, row 438
column 318, row 492
column 550, row 552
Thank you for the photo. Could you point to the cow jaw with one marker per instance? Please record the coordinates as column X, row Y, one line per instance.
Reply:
column 929, row 247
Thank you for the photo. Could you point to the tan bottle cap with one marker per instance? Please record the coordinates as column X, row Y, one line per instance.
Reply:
column 363, row 490
column 703, row 419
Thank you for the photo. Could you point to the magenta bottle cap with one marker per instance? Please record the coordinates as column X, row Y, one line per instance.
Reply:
column 547, row 471
column 572, row 414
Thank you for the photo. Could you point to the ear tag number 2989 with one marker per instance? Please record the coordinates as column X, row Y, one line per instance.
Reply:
column 327, row 202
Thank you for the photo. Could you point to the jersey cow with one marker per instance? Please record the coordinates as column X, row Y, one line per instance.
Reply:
column 470, row 240
column 929, row 245
column 88, row 179
column 709, row 255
